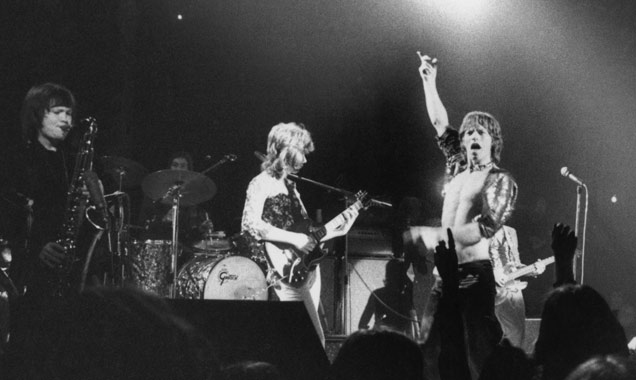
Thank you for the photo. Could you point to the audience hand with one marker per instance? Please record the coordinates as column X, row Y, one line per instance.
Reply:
column 564, row 246
column 52, row 255
column 446, row 262
column 563, row 241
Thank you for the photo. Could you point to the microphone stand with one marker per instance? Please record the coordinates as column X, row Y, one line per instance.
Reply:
column 579, row 190
column 346, row 193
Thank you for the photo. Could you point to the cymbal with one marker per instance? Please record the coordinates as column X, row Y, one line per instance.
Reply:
column 193, row 186
column 129, row 172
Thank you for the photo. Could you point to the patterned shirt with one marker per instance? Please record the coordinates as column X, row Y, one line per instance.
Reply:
column 266, row 206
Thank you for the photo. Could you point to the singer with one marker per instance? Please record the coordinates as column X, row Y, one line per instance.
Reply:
column 479, row 198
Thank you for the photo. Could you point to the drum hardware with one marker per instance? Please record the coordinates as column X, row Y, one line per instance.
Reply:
column 119, row 203
column 127, row 173
column 179, row 188
column 226, row 158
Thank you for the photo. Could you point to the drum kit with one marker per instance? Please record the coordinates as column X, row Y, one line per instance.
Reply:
column 216, row 271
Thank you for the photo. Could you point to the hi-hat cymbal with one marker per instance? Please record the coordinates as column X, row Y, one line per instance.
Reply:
column 126, row 172
column 194, row 187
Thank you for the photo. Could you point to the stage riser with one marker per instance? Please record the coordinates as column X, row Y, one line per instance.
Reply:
column 280, row 333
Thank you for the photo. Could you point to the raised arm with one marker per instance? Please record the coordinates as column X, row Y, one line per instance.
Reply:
column 436, row 110
column 564, row 247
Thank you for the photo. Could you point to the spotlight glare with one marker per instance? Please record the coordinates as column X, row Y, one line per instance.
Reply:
column 179, row 17
column 613, row 199
column 462, row 9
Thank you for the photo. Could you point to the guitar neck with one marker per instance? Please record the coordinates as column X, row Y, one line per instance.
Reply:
column 340, row 219
column 529, row 268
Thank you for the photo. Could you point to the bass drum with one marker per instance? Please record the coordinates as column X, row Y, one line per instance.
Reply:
column 221, row 278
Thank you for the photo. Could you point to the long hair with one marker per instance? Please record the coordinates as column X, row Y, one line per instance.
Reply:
column 39, row 99
column 486, row 120
column 609, row 367
column 576, row 324
column 286, row 144
column 378, row 355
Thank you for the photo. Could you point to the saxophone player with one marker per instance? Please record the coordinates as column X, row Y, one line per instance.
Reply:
column 38, row 171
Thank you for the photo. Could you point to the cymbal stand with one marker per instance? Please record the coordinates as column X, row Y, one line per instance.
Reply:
column 175, row 193
column 122, row 221
column 122, row 173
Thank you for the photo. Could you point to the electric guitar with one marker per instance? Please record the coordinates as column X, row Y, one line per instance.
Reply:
column 292, row 264
column 532, row 268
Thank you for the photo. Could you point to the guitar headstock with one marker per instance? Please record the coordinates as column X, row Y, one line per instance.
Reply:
column 363, row 197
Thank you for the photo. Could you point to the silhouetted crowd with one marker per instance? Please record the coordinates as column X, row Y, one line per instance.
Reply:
column 127, row 334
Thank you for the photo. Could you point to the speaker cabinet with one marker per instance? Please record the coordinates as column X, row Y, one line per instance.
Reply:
column 280, row 333
column 364, row 274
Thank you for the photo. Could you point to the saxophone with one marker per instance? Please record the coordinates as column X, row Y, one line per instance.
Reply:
column 73, row 217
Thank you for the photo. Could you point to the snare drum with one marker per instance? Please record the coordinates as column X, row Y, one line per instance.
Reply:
column 222, row 278
column 149, row 266
column 214, row 243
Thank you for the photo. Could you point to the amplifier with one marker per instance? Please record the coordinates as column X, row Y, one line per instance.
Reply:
column 369, row 242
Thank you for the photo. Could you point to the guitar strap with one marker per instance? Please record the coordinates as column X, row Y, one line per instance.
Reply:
column 297, row 208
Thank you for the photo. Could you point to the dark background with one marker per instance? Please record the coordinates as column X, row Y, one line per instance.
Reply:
column 559, row 76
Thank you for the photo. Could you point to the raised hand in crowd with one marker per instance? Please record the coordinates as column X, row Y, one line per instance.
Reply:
column 446, row 263
column 564, row 247
column 52, row 254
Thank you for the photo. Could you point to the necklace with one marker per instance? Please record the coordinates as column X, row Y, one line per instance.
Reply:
column 478, row 167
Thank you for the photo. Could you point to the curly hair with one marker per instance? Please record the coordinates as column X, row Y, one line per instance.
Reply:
column 477, row 118
column 286, row 144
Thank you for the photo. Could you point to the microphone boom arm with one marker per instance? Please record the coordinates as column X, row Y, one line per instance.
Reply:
column 346, row 193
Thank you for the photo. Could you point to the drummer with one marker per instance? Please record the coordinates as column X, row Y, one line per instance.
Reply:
column 156, row 217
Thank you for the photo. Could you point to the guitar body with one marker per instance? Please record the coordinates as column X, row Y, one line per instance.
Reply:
column 290, row 263
column 293, row 265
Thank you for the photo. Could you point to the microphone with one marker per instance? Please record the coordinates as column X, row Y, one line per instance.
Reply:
column 96, row 194
column 566, row 173
column 260, row 155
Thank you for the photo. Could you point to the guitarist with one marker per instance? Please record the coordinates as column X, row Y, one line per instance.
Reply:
column 273, row 207
column 510, row 307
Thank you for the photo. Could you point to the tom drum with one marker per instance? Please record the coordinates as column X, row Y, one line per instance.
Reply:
column 149, row 266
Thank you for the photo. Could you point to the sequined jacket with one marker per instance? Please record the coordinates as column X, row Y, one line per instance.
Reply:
column 499, row 193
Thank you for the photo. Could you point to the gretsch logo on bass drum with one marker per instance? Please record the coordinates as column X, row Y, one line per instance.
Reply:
column 224, row 275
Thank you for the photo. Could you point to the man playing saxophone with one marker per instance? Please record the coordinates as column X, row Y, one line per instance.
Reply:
column 38, row 171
